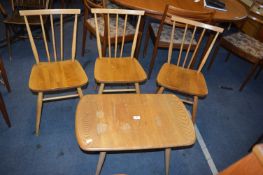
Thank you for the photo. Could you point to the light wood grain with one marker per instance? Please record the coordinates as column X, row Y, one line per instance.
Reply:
column 183, row 80
column 155, row 8
column 251, row 164
column 108, row 125
column 118, row 70
column 57, row 76
column 182, row 77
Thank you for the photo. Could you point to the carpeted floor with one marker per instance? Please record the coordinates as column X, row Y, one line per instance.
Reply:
column 229, row 121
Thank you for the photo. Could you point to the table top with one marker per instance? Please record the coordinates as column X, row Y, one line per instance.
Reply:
column 114, row 122
column 154, row 8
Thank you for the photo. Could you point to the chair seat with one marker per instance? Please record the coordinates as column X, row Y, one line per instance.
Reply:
column 118, row 70
column 183, row 80
column 130, row 30
column 50, row 76
column 166, row 34
column 246, row 43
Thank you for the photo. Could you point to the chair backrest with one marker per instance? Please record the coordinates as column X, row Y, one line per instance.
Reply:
column 116, row 15
column 198, row 31
column 30, row 4
column 51, row 13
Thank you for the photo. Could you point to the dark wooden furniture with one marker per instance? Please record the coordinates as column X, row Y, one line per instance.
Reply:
column 155, row 8
column 4, row 76
column 245, row 46
column 179, row 76
column 4, row 111
column 123, row 122
column 15, row 23
column 159, row 33
column 6, row 83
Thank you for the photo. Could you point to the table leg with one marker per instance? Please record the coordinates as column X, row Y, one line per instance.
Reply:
column 100, row 162
column 167, row 160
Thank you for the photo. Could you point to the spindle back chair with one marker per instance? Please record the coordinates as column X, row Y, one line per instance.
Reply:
column 159, row 33
column 120, row 69
column 180, row 76
column 54, row 74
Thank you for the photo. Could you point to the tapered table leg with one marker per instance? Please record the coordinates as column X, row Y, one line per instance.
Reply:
column 167, row 160
column 100, row 162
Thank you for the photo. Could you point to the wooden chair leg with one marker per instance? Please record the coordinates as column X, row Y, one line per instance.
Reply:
column 39, row 110
column 137, row 87
column 84, row 36
column 159, row 90
column 100, row 162
column 4, row 111
column 213, row 57
column 194, row 109
column 249, row 76
column 8, row 40
column 4, row 75
column 167, row 160
column 155, row 50
column 80, row 92
column 146, row 42
column 101, row 88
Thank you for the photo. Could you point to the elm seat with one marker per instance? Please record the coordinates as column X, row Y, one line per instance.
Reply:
column 47, row 76
column 182, row 80
column 119, row 70
column 166, row 34
column 130, row 30
column 246, row 43
column 179, row 75
column 52, row 73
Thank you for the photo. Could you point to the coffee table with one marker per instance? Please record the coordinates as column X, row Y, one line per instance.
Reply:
column 118, row 122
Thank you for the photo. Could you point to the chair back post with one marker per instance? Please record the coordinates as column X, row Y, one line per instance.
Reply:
column 51, row 13
column 195, row 26
column 117, row 13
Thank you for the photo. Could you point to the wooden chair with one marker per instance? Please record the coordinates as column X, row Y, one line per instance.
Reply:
column 6, row 83
column 14, row 22
column 159, row 33
column 115, row 68
column 61, row 74
column 89, row 25
column 4, row 80
column 245, row 46
column 180, row 77
column 4, row 111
